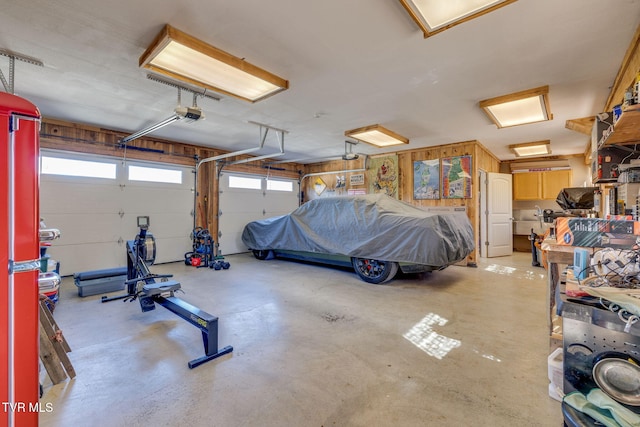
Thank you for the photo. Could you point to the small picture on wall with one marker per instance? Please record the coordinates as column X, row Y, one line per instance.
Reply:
column 456, row 177
column 426, row 179
column 319, row 186
column 356, row 179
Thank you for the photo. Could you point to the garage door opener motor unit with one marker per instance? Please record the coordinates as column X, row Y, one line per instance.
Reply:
column 150, row 289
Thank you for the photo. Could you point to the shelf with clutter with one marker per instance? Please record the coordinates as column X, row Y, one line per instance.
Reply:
column 622, row 124
column 615, row 137
column 49, row 277
column 53, row 345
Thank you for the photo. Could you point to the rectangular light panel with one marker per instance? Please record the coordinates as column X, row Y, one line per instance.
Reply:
column 377, row 135
column 183, row 57
column 438, row 13
column 540, row 148
column 434, row 16
column 529, row 110
column 529, row 106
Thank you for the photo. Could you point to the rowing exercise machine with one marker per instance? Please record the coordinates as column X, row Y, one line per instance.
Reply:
column 142, row 285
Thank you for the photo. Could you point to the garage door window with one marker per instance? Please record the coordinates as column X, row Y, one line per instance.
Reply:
column 72, row 167
column 245, row 182
column 169, row 176
column 276, row 185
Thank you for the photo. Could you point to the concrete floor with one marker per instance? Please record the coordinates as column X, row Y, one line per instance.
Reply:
column 315, row 346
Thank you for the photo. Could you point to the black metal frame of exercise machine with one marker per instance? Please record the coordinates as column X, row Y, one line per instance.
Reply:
column 142, row 285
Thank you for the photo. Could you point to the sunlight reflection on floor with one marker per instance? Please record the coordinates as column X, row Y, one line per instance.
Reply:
column 512, row 271
column 426, row 339
column 487, row 356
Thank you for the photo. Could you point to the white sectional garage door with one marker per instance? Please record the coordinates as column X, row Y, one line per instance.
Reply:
column 238, row 206
column 96, row 216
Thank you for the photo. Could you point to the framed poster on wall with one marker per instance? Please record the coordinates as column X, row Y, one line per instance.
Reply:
column 383, row 175
column 426, row 179
column 456, row 177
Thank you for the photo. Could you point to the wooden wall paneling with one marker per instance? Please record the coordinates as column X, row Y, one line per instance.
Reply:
column 405, row 177
column 204, row 197
column 329, row 178
column 212, row 194
column 627, row 72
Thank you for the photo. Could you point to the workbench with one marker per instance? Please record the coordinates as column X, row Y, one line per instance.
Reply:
column 556, row 255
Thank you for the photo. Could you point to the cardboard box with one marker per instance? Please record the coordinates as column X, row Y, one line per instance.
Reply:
column 596, row 232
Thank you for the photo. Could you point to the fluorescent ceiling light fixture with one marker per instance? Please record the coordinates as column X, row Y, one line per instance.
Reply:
column 538, row 148
column 529, row 106
column 434, row 16
column 180, row 56
column 376, row 135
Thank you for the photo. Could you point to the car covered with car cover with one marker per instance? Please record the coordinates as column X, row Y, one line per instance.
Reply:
column 375, row 234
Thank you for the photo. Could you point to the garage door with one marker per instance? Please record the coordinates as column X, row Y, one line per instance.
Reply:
column 246, row 198
column 97, row 215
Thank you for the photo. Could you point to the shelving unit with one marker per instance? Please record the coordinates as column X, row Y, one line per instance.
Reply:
column 626, row 130
column 48, row 279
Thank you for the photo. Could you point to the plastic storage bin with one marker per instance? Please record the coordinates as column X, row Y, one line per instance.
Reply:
column 100, row 281
column 556, row 374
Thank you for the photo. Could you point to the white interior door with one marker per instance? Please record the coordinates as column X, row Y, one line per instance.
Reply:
column 499, row 214
column 241, row 205
column 482, row 194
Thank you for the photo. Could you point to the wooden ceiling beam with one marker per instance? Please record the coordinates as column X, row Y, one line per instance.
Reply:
column 626, row 75
column 583, row 125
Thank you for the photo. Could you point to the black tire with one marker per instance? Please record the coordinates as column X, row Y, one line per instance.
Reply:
column 261, row 254
column 373, row 270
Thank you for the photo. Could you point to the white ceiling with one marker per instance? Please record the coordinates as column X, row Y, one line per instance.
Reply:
column 349, row 64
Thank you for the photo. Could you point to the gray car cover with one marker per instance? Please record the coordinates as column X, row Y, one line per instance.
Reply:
column 373, row 226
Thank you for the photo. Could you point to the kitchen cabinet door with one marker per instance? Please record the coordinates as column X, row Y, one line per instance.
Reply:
column 526, row 186
column 553, row 182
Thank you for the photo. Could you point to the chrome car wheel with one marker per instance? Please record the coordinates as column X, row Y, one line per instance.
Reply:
column 373, row 270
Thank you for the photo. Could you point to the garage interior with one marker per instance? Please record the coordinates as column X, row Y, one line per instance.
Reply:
column 315, row 346
column 311, row 344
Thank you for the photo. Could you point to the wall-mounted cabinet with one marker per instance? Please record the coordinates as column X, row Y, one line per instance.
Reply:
column 553, row 182
column 544, row 185
column 527, row 186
